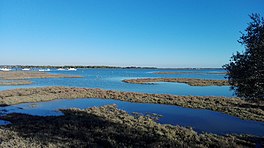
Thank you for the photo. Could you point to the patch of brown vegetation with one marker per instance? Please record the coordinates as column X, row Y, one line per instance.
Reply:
column 189, row 81
column 17, row 77
column 107, row 127
column 14, row 82
column 232, row 106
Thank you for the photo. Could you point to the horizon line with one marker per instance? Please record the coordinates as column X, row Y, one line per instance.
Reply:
column 109, row 66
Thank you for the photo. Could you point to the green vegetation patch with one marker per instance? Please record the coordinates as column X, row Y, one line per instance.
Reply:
column 107, row 126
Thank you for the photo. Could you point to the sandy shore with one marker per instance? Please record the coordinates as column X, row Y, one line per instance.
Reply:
column 232, row 106
column 189, row 81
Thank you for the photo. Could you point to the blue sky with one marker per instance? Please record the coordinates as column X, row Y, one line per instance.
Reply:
column 160, row 33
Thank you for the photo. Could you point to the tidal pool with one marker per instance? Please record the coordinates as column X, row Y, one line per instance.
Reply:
column 199, row 120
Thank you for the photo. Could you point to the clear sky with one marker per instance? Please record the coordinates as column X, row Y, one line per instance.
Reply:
column 161, row 33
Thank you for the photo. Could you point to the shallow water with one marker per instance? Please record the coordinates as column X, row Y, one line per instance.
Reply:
column 2, row 122
column 199, row 120
column 111, row 79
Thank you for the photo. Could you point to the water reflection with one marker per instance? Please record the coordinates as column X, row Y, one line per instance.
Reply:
column 199, row 120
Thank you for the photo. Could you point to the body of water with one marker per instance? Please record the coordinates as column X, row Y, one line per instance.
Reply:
column 200, row 120
column 111, row 79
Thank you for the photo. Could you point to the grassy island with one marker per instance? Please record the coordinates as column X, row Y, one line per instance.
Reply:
column 107, row 126
column 18, row 77
column 189, row 81
column 14, row 82
column 251, row 110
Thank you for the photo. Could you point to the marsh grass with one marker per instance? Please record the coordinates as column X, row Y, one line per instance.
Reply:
column 18, row 77
column 107, row 126
column 189, row 81
column 243, row 109
column 14, row 82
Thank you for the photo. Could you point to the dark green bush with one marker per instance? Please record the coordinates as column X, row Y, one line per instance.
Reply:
column 245, row 72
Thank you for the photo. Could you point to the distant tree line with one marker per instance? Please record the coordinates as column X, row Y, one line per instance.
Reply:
column 68, row 66
column 110, row 67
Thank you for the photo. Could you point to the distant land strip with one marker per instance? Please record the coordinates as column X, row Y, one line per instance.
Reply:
column 189, row 81
column 78, row 67
column 103, row 66
column 17, row 77
column 14, row 82
column 192, row 72
column 244, row 109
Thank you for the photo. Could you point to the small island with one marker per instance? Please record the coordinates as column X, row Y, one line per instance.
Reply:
column 14, row 82
column 21, row 77
column 189, row 81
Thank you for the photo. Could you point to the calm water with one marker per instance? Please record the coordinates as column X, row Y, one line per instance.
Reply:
column 200, row 120
column 111, row 79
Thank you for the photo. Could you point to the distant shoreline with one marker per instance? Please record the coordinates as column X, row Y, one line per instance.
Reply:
column 100, row 67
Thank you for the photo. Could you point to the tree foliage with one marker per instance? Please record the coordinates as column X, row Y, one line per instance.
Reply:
column 245, row 72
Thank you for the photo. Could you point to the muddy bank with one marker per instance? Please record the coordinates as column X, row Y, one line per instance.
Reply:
column 17, row 77
column 232, row 106
column 189, row 81
column 107, row 127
